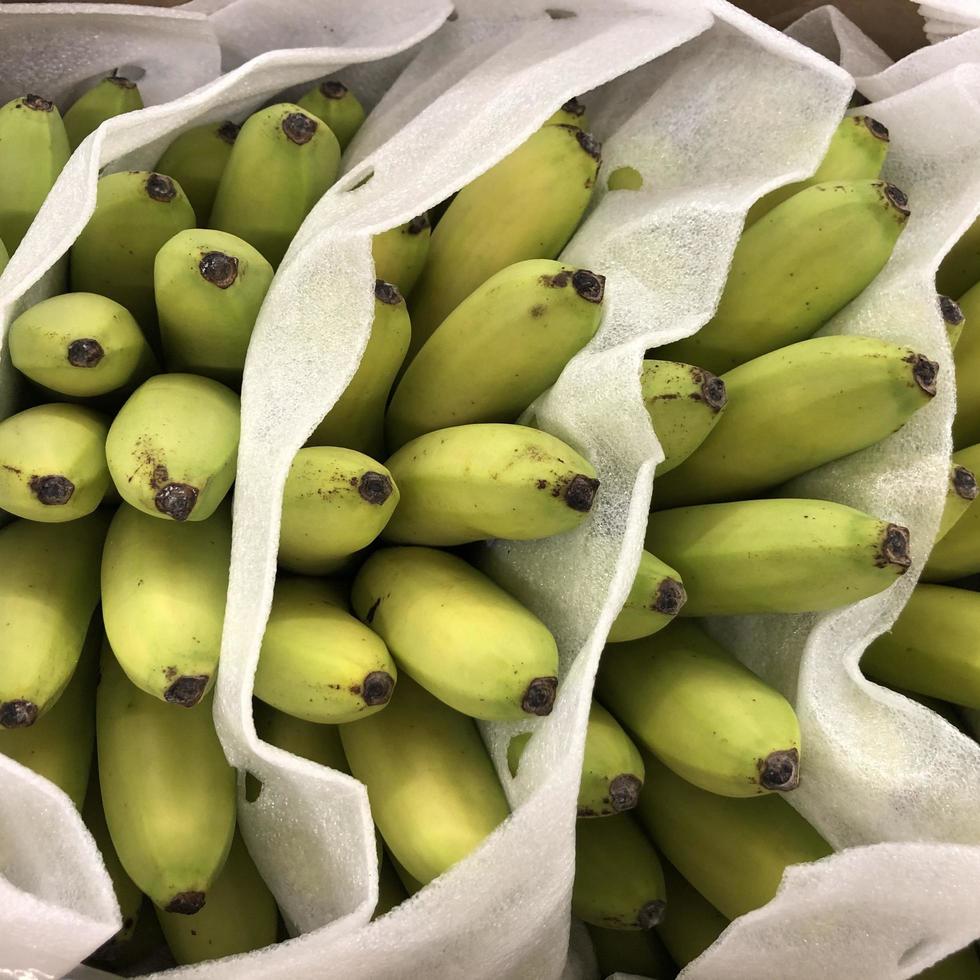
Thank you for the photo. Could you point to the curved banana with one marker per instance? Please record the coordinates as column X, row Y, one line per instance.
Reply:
column 109, row 97
column 962, row 491
column 572, row 113
column 966, row 360
column 655, row 598
column 957, row 554
column 400, row 253
column 196, row 160
column 953, row 317
column 639, row 952
column 307, row 739
column 337, row 106
column 960, row 269
column 693, row 923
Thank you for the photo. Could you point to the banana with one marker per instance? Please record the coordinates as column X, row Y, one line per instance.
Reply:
column 80, row 344
column 209, row 287
column 281, row 164
column 391, row 892
column 338, row 107
column 966, row 360
column 52, row 462
column 692, row 704
column 504, row 345
column 618, row 880
column 307, row 739
column 962, row 491
column 612, row 770
column 732, row 851
column 400, row 253
column 239, row 915
column 318, row 662
column 796, row 408
column 168, row 792
column 795, row 268
column 684, row 404
column 357, row 419
column 433, row 790
column 173, row 447
column 49, row 588
column 693, row 923
column 625, row 179
column 409, row 884
column 110, row 97
column 196, row 160
column 473, row 482
column 960, row 269
column 33, row 149
column 572, row 113
column 655, row 598
column 953, row 317
column 630, row 951
column 524, row 207
column 458, row 634
column 957, row 554
column 777, row 555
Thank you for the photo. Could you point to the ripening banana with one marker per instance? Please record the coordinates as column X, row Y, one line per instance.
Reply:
column 317, row 661
column 732, row 851
column 196, row 160
column 33, row 149
column 173, row 447
column 209, row 287
column 168, row 792
column 504, row 345
column 356, row 420
column 960, row 493
column 692, row 704
column 960, row 269
column 400, row 253
column 777, row 555
column 458, row 634
column 796, row 408
column 655, row 598
column 52, row 462
column 795, row 268
column 80, row 344
column 281, row 164
column 391, row 891
column 693, row 923
column 109, row 97
column 307, row 739
column 954, row 319
column 473, row 482
column 958, row 553
column 572, row 113
column 337, row 106
column 638, row 952
column 524, row 207
column 433, row 790
column 49, row 588
column 966, row 359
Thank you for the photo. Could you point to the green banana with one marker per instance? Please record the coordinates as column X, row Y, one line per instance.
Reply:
column 732, row 851
column 307, row 739
column 239, row 915
column 173, row 447
column 958, row 553
column 52, row 462
column 337, row 106
column 196, row 160
column 391, row 891
column 962, row 965
column 110, row 97
column 684, row 404
column 693, row 923
column 962, row 491
column 796, row 408
column 524, row 207
column 966, row 360
column 572, row 113
column 400, row 253
column 168, row 792
column 458, row 634
column 504, row 345
column 433, row 790
column 655, row 598
column 612, row 770
column 49, row 588
column 33, row 149
column 777, row 555
column 639, row 952
column 795, row 268
column 473, row 482
column 692, row 704
column 625, row 179
column 954, row 319
column 318, row 662
column 356, row 420
column 960, row 269
column 409, row 884
column 284, row 157
column 618, row 880
column 335, row 502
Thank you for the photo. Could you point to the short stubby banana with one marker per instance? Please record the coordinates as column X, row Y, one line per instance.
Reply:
column 572, row 113
column 307, row 739
column 954, row 318
column 173, row 447
column 960, row 269
column 777, row 555
column 490, row 480
column 196, row 160
column 337, row 106
column 655, row 598
column 960, row 494
column 966, row 359
column 693, row 924
column 958, row 553
column 400, row 253
column 106, row 99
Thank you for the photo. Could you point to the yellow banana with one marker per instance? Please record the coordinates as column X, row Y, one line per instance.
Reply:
column 966, row 359
column 655, row 598
column 954, row 319
column 572, row 113
column 962, row 491
column 958, row 553
column 196, row 160
column 307, row 739
column 630, row 951
column 693, row 923
column 400, row 253
column 109, row 97
column 960, row 269
column 337, row 106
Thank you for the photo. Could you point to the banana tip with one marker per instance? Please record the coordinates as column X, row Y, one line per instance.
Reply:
column 951, row 311
column 176, row 500
column 894, row 549
column 332, row 89
column 85, row 352
column 964, row 483
column 228, row 131
column 539, row 696
column 218, row 268
column 17, row 713
column 713, row 391
column 670, row 597
column 898, row 199
column 160, row 188
column 186, row 903
column 53, row 490
column 299, row 127
column 780, row 771
column 580, row 492
column 375, row 488
column 387, row 293
column 418, row 224
column 186, row 691
column 651, row 914
column 589, row 285
column 38, row 103
column 624, row 792
column 924, row 372
column 377, row 688
column 877, row 129
column 574, row 107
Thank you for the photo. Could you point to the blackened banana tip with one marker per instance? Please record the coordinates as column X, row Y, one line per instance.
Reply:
column 713, row 391
column 418, row 224
column 894, row 548
column 377, row 688
column 651, row 914
column 573, row 107
column 186, row 903
column 624, row 792
column 121, row 82
column 925, row 373
column 228, row 131
column 176, row 500
column 877, row 129
column 38, row 103
column 964, row 483
column 375, row 488
column 387, row 293
column 780, row 771
column 951, row 311
column 539, row 697
column 160, row 188
column 580, row 492
column 299, row 127
column 17, row 713
column 186, row 691
column 589, row 285
column 898, row 198
column 670, row 597
column 85, row 352
column 52, row 490
column 219, row 269
column 333, row 89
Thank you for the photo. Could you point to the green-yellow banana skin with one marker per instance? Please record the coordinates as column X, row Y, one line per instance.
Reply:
column 796, row 408
column 625, row 179
column 52, row 462
column 335, row 502
column 732, row 851
column 4, row 257
column 684, row 403
column 777, row 555
column 963, row 965
column 338, row 107
column 357, row 419
column 317, row 661
column 689, row 701
column 618, row 880
column 410, row 884
column 209, row 287
column 49, row 588
column 307, row 739
column 960, row 269
column 239, row 915
column 391, row 891
column 196, row 160
column 168, row 792
column 639, row 952
column 173, row 447
column 283, row 161
column 960, row 494
column 524, row 207
column 795, row 268
column 400, row 253
column 473, row 482
column 966, row 360
column 954, row 318
column 135, row 214
column 110, row 97
column 693, row 923
column 458, row 634
column 655, row 598
column 957, row 554
column 572, row 113
column 504, row 345
column 434, row 793
column 33, row 149
column 163, row 601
